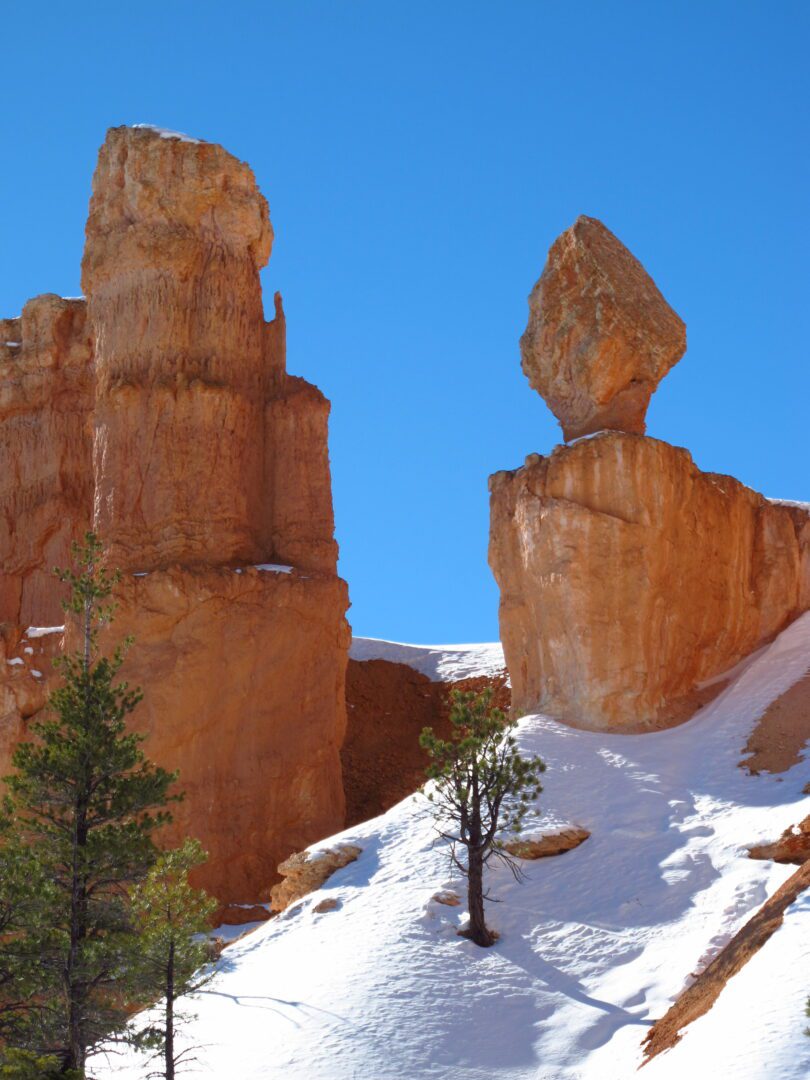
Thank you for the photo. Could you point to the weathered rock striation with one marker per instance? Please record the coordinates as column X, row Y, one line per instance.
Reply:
column 161, row 412
column 629, row 577
column 46, row 486
column 600, row 335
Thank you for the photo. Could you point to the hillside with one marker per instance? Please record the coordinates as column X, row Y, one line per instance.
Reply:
column 595, row 945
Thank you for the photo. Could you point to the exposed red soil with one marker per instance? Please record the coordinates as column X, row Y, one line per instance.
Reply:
column 387, row 706
column 698, row 998
column 781, row 732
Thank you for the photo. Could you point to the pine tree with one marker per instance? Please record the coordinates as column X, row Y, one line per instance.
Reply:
column 83, row 806
column 482, row 788
column 172, row 919
column 24, row 898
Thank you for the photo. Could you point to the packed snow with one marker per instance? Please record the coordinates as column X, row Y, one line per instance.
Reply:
column 441, row 663
column 594, row 945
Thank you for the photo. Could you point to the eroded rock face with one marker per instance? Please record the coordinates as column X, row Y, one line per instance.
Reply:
column 161, row 412
column 600, row 335
column 628, row 577
column 243, row 672
column 46, row 488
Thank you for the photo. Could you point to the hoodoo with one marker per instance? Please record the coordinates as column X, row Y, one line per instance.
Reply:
column 629, row 579
column 161, row 413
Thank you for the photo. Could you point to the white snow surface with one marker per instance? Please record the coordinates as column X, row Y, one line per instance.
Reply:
column 594, row 945
column 791, row 502
column 166, row 133
column 43, row 631
column 441, row 663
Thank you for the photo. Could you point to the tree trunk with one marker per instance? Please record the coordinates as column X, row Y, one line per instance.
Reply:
column 478, row 931
column 169, row 1046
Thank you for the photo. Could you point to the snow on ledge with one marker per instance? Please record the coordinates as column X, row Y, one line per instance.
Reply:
column 440, row 663
column 790, row 502
column 266, row 568
column 43, row 631
column 165, row 133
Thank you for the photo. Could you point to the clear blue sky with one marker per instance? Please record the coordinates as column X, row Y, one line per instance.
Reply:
column 419, row 159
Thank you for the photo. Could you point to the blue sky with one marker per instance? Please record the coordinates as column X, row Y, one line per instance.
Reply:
column 419, row 159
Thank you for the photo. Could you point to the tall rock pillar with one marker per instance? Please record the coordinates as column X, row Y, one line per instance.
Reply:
column 176, row 236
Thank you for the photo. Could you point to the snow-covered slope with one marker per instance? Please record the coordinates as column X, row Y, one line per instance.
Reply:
column 441, row 663
column 594, row 945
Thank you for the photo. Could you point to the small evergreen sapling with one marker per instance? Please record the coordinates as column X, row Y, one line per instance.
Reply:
column 172, row 920
column 83, row 805
column 481, row 788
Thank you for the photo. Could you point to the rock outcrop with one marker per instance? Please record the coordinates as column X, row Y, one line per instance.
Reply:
column 549, row 844
column 628, row 577
column 306, row 871
column 160, row 411
column 600, row 335
column 701, row 995
column 793, row 846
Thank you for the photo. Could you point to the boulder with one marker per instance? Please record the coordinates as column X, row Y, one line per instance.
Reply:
column 306, row 871
column 630, row 579
column 543, row 847
column 600, row 335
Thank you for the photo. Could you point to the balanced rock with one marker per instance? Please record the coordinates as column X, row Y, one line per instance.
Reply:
column 629, row 578
column 600, row 335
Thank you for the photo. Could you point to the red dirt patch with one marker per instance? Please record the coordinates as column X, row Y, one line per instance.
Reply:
column 782, row 731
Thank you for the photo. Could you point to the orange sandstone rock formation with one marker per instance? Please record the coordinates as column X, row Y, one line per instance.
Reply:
column 600, row 335
column 46, row 490
column 244, row 677
column 161, row 411
column 628, row 577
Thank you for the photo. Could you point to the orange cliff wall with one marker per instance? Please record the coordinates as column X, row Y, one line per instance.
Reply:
column 201, row 460
column 46, row 489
